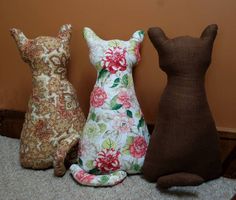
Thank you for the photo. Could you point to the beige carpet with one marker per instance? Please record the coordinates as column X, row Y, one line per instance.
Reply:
column 22, row 184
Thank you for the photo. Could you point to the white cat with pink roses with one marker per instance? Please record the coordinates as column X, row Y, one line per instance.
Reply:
column 115, row 136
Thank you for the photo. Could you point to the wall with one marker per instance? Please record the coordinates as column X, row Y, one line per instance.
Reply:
column 119, row 19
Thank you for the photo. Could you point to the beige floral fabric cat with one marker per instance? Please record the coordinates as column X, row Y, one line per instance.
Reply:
column 54, row 120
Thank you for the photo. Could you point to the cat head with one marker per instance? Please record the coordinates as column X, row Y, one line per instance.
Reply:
column 44, row 51
column 184, row 54
column 113, row 55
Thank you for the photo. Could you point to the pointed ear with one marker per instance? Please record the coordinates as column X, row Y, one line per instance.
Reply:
column 210, row 32
column 19, row 37
column 157, row 36
column 65, row 32
column 90, row 36
column 138, row 36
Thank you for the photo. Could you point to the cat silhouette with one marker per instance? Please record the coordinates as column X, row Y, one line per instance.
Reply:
column 115, row 136
column 54, row 120
column 184, row 148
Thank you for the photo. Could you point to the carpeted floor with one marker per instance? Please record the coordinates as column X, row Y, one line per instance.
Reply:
column 22, row 184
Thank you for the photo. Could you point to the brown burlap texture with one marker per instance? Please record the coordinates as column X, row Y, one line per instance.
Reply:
column 184, row 147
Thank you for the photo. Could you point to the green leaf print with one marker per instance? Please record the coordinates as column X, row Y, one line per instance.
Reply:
column 125, row 80
column 138, row 114
column 80, row 162
column 129, row 113
column 89, row 164
column 93, row 116
column 116, row 82
column 103, row 72
column 141, row 122
column 129, row 140
column 141, row 33
column 132, row 44
column 136, row 167
column 116, row 173
column 91, row 129
column 102, row 127
column 130, row 81
column 126, row 150
column 108, row 144
column 104, row 179
column 114, row 105
column 95, row 171
column 113, row 43
column 86, row 34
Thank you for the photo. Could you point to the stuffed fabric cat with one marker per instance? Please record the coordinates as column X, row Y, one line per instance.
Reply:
column 115, row 136
column 54, row 120
column 184, row 148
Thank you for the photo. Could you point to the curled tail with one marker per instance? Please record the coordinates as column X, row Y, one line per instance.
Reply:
column 84, row 178
column 179, row 179
column 64, row 147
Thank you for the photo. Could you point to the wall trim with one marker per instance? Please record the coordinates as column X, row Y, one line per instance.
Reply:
column 227, row 133
column 11, row 122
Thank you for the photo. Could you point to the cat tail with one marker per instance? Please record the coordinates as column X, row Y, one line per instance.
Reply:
column 179, row 179
column 66, row 147
column 84, row 178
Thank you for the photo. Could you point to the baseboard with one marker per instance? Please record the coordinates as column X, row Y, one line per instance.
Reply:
column 11, row 123
column 224, row 129
column 227, row 133
column 228, row 151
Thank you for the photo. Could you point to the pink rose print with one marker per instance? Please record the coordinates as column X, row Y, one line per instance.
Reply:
column 137, row 52
column 115, row 60
column 107, row 160
column 84, row 177
column 139, row 147
column 124, row 99
column 122, row 123
column 98, row 97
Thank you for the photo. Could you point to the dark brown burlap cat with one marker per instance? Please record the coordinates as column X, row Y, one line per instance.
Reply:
column 184, row 147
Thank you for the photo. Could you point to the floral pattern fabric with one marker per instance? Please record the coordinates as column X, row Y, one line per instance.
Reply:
column 54, row 120
column 115, row 136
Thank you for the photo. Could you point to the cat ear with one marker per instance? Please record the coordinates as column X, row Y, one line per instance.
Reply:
column 137, row 36
column 157, row 36
column 210, row 32
column 65, row 32
column 19, row 37
column 90, row 36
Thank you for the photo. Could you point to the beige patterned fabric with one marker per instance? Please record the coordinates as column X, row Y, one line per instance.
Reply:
column 54, row 120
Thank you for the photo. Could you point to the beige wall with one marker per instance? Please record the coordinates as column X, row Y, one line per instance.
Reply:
column 119, row 19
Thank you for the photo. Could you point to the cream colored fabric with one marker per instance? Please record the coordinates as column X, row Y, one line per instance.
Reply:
column 115, row 136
